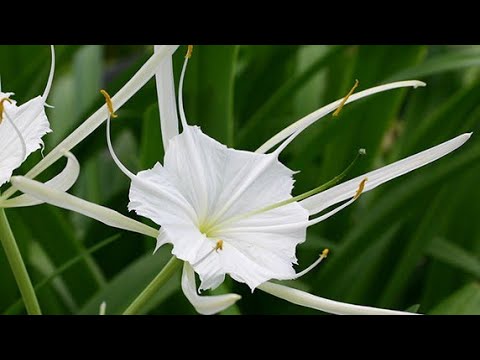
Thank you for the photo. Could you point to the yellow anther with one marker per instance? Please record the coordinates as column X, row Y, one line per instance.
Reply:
column 2, row 107
column 108, row 99
column 342, row 104
column 360, row 189
column 189, row 52
column 325, row 253
column 219, row 245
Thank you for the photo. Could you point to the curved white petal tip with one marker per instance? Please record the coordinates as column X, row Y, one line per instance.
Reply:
column 205, row 305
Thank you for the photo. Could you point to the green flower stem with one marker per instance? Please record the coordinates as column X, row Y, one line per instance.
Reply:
column 165, row 274
column 18, row 266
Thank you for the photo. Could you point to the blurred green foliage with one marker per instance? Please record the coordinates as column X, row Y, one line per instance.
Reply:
column 413, row 241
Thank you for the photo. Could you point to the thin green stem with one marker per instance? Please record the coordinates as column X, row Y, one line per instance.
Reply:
column 18, row 266
column 165, row 274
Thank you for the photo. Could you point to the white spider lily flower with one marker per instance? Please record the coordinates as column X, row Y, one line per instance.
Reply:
column 22, row 127
column 21, row 131
column 231, row 212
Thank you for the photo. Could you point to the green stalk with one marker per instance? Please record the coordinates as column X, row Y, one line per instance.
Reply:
column 165, row 274
column 18, row 266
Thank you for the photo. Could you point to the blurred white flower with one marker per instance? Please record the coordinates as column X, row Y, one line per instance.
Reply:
column 21, row 131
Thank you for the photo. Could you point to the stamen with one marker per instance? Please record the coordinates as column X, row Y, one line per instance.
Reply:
column 342, row 104
column 46, row 92
column 115, row 158
column 2, row 107
column 361, row 187
column 189, row 52
column 219, row 245
column 323, row 255
column 181, row 109
column 108, row 100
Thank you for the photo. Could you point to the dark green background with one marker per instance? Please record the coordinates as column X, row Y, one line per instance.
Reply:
column 413, row 241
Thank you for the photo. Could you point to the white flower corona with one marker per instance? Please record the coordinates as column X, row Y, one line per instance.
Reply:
column 22, row 128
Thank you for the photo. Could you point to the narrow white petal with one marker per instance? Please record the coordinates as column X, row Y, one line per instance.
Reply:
column 62, row 182
column 305, row 299
column 320, row 202
column 145, row 73
column 205, row 305
column 318, row 114
column 73, row 203
column 166, row 99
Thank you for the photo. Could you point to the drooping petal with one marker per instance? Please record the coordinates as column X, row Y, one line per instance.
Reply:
column 305, row 299
column 32, row 123
column 318, row 114
column 62, row 182
column 205, row 305
column 166, row 99
column 73, row 203
column 320, row 202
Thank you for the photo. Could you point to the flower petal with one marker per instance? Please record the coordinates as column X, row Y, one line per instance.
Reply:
column 73, row 203
column 166, row 99
column 32, row 123
column 62, row 182
column 320, row 202
column 305, row 299
column 318, row 114
column 205, row 305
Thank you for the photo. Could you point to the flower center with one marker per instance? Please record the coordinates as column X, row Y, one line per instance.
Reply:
column 206, row 228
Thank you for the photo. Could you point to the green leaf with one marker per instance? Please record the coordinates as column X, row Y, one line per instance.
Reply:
column 151, row 144
column 413, row 309
column 126, row 286
column 449, row 61
column 465, row 301
column 209, row 90
column 454, row 255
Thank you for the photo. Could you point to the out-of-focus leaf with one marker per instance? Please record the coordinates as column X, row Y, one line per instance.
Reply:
column 151, row 143
column 413, row 309
column 454, row 255
column 441, row 63
column 209, row 87
column 128, row 284
column 465, row 301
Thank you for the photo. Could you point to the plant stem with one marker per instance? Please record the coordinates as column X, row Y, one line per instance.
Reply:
column 165, row 274
column 18, row 266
